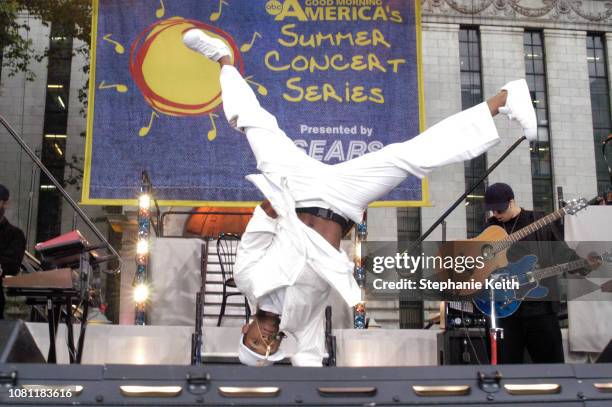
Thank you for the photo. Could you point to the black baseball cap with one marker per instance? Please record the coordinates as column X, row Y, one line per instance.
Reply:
column 498, row 196
column 4, row 193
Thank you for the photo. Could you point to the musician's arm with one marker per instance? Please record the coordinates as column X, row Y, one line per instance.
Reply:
column 562, row 253
column 12, row 255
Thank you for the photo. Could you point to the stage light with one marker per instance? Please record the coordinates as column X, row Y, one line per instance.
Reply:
column 141, row 293
column 142, row 247
column 144, row 202
column 359, row 311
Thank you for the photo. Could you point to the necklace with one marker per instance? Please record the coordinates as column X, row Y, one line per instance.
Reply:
column 513, row 226
column 268, row 344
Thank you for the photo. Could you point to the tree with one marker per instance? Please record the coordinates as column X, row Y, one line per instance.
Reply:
column 69, row 18
column 15, row 50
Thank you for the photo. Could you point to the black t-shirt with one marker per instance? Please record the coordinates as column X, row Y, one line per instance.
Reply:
column 12, row 248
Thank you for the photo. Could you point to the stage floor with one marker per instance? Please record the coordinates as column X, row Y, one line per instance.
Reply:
column 171, row 345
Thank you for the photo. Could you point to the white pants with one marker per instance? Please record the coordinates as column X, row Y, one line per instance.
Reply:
column 348, row 187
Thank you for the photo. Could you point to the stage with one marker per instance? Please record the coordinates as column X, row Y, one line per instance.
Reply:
column 171, row 345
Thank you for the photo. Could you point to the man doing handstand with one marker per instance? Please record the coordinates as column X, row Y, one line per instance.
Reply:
column 289, row 256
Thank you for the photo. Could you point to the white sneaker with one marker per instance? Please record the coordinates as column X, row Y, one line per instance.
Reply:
column 519, row 107
column 211, row 48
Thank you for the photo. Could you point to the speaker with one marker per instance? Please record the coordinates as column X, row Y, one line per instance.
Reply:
column 462, row 347
column 17, row 344
column 606, row 355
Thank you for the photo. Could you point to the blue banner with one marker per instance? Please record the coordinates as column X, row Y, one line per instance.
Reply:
column 341, row 77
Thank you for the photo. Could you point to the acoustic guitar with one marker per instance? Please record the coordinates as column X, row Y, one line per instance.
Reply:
column 492, row 245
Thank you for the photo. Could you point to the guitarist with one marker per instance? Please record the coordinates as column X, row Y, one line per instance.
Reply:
column 534, row 326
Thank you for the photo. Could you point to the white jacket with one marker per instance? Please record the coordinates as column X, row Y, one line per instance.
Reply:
column 284, row 252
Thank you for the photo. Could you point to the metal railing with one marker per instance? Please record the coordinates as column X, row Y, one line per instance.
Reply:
column 59, row 187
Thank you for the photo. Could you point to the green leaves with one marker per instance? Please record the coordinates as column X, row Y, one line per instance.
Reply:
column 16, row 49
column 68, row 18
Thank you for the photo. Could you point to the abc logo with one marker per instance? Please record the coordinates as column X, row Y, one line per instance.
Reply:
column 274, row 7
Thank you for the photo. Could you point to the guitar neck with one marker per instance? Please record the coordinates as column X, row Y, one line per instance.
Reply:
column 529, row 229
column 559, row 269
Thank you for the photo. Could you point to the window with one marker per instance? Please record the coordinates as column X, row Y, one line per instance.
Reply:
column 471, row 95
column 600, row 105
column 408, row 224
column 541, row 165
column 54, row 136
column 409, row 229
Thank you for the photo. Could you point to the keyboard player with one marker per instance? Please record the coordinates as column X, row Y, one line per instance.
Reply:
column 12, row 245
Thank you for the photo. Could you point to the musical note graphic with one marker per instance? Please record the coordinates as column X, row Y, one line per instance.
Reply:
column 247, row 46
column 145, row 130
column 215, row 16
column 119, row 49
column 159, row 13
column 212, row 134
column 260, row 88
column 119, row 87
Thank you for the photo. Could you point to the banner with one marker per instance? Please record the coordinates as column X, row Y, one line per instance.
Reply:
column 342, row 78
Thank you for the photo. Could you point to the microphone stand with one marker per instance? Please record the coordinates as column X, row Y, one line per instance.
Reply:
column 470, row 190
column 495, row 333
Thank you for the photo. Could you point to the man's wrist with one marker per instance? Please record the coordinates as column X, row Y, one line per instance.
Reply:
column 268, row 209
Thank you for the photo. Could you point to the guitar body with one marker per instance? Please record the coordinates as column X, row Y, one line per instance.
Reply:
column 503, row 309
column 491, row 233
column 507, row 301
column 477, row 246
column 535, row 290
